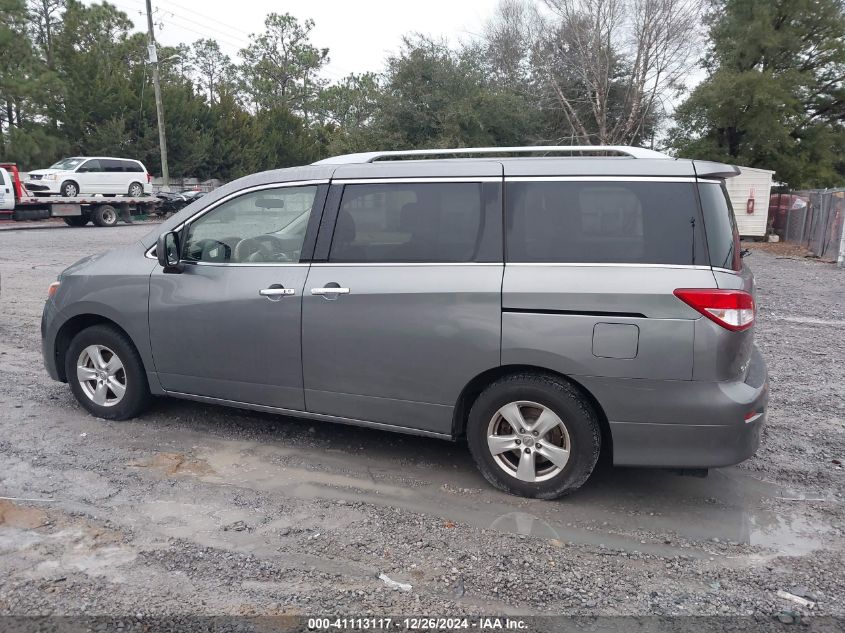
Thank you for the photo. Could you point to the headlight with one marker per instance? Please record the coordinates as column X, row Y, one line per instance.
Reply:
column 49, row 177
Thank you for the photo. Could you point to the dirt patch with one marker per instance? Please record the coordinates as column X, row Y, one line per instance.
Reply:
column 175, row 464
column 16, row 516
column 780, row 249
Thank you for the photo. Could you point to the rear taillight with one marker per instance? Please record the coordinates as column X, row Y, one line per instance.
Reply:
column 149, row 178
column 51, row 289
column 732, row 309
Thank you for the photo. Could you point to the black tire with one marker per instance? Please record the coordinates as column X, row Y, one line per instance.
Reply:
column 136, row 190
column 136, row 398
column 562, row 398
column 105, row 215
column 76, row 220
column 69, row 189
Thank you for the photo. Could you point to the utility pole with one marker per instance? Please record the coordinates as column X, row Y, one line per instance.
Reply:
column 162, row 137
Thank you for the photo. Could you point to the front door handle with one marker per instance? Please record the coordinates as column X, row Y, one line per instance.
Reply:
column 276, row 292
column 331, row 290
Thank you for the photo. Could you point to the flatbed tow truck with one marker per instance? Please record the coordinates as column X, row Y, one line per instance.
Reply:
column 17, row 203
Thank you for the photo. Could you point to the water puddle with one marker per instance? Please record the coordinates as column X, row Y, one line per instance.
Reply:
column 621, row 509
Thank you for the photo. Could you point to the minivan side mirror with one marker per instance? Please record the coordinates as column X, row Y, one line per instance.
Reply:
column 168, row 251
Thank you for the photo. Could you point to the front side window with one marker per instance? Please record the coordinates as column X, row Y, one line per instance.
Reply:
column 408, row 222
column 604, row 222
column 266, row 226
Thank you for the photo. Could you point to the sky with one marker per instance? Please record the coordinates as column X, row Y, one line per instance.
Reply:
column 359, row 34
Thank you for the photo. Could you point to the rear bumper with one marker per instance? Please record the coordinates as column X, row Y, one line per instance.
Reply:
column 684, row 423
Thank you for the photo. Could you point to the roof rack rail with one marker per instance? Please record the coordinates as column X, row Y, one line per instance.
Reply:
column 371, row 157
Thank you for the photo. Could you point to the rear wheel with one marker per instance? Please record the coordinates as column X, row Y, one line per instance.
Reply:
column 534, row 435
column 136, row 190
column 105, row 215
column 106, row 374
column 76, row 220
column 69, row 189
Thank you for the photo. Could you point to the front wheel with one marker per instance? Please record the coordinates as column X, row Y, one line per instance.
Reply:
column 106, row 374
column 69, row 189
column 534, row 435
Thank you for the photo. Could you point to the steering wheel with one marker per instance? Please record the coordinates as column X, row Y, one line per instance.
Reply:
column 201, row 251
column 261, row 248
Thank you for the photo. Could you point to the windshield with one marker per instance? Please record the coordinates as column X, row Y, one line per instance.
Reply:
column 67, row 163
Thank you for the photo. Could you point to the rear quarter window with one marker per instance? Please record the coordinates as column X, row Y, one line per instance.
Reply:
column 720, row 225
column 644, row 222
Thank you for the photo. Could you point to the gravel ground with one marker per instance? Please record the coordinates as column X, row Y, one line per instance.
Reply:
column 196, row 509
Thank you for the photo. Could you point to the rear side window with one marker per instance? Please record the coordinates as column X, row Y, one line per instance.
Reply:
column 131, row 166
column 604, row 222
column 409, row 222
column 111, row 166
column 720, row 224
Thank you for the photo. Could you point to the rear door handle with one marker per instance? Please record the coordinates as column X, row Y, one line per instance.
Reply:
column 329, row 291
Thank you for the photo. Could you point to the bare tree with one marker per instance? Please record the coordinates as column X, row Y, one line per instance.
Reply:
column 602, row 69
column 509, row 39
column 626, row 57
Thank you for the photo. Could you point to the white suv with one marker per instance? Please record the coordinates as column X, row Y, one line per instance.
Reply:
column 82, row 175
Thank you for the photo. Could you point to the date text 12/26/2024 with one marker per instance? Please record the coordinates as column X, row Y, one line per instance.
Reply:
column 416, row 624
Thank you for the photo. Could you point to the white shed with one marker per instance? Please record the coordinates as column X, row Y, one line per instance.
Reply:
column 752, row 184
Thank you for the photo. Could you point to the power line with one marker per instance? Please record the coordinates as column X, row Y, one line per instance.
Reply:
column 228, row 38
column 183, row 22
column 179, row 22
column 210, row 19
column 193, row 21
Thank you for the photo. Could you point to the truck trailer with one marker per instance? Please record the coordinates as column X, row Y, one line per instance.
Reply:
column 17, row 203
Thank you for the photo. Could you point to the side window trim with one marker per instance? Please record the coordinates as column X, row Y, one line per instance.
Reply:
column 182, row 228
column 314, row 218
column 327, row 223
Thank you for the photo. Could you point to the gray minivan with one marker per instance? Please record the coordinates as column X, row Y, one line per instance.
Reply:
column 546, row 308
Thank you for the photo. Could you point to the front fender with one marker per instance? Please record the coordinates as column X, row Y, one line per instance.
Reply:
column 113, row 287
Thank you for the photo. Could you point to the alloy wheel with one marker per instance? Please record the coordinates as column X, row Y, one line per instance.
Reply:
column 101, row 375
column 528, row 441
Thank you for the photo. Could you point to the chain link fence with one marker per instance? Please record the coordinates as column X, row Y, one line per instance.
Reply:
column 813, row 218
